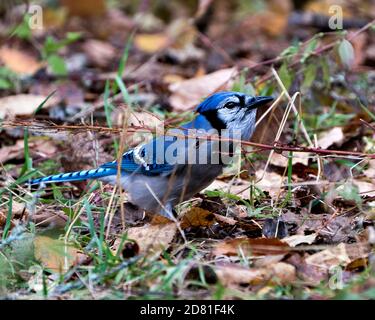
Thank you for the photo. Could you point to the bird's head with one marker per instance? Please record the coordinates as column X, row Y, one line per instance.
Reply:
column 232, row 111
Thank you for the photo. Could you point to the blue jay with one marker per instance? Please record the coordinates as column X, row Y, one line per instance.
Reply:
column 154, row 177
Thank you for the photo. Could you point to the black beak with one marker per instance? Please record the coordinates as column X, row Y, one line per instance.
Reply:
column 259, row 101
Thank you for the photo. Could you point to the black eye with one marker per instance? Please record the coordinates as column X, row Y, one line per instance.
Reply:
column 230, row 105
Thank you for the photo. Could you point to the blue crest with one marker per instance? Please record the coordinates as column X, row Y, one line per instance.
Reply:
column 213, row 101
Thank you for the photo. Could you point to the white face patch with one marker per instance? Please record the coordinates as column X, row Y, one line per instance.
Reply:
column 239, row 119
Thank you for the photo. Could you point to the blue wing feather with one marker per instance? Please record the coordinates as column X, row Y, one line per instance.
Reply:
column 150, row 160
column 151, row 166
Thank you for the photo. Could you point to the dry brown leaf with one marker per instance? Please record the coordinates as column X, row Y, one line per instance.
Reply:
column 342, row 254
column 226, row 220
column 280, row 273
column 234, row 274
column 359, row 44
column 54, row 254
column 188, row 93
column 152, row 239
column 3, row 219
column 297, row 239
column 251, row 247
column 265, row 261
column 241, row 189
column 307, row 272
column 333, row 136
column 99, row 52
column 365, row 187
column 18, row 61
column 270, row 182
column 49, row 218
column 22, row 104
column 138, row 119
column 17, row 210
column 280, row 160
column 158, row 219
column 151, row 43
column 45, row 148
column 370, row 52
column 11, row 152
column 172, row 78
column 370, row 171
column 197, row 217
column 356, row 264
column 85, row 8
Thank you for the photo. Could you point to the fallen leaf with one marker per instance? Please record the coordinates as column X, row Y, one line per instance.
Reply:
column 137, row 119
column 225, row 220
column 261, row 262
column 158, row 219
column 18, row 61
column 270, row 182
column 280, row 273
column 151, row 43
column 359, row 45
column 54, row 254
column 370, row 52
column 235, row 274
column 333, row 136
column 42, row 147
column 172, row 78
column 370, row 171
column 3, row 219
column 357, row 264
column 49, row 218
column 188, row 93
column 297, row 239
column 11, row 152
column 311, row 274
column 240, row 189
column 22, row 104
column 365, row 187
column 197, row 217
column 99, row 52
column 152, row 239
column 85, row 8
column 340, row 255
column 251, row 247
column 281, row 160
column 17, row 209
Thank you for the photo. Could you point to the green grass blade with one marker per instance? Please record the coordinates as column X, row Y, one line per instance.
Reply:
column 43, row 102
column 9, row 217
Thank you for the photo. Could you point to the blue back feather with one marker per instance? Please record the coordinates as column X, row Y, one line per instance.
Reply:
column 128, row 163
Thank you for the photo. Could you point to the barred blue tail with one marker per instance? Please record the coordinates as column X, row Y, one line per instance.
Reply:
column 76, row 176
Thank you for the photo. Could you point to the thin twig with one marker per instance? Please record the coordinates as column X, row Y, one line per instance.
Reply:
column 277, row 146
